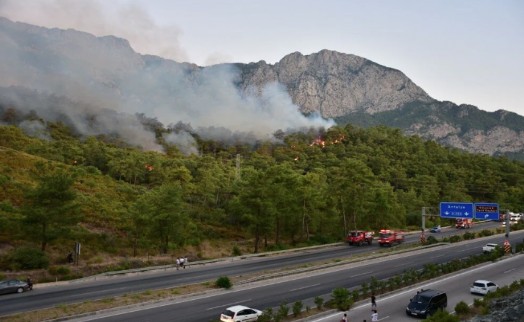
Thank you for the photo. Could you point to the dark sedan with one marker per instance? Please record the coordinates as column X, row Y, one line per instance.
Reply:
column 13, row 286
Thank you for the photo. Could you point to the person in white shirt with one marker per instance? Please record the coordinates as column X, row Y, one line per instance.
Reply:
column 374, row 316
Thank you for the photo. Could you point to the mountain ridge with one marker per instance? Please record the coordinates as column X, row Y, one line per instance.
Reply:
column 106, row 73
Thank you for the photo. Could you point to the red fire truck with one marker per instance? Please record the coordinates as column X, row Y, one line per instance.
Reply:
column 463, row 223
column 389, row 237
column 359, row 237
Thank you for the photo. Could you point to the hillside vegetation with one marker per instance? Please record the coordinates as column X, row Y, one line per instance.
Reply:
column 308, row 188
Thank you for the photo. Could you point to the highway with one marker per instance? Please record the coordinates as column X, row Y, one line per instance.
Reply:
column 391, row 307
column 306, row 286
column 42, row 297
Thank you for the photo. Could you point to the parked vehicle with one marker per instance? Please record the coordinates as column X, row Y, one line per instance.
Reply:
column 483, row 287
column 239, row 313
column 389, row 237
column 488, row 248
column 358, row 237
column 464, row 223
column 13, row 286
column 427, row 302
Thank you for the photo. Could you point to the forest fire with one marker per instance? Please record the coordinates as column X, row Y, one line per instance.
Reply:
column 322, row 143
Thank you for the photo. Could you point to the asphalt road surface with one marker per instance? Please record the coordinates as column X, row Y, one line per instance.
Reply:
column 306, row 286
column 392, row 307
column 97, row 288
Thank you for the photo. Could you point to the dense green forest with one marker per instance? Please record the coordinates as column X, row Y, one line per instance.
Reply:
column 305, row 188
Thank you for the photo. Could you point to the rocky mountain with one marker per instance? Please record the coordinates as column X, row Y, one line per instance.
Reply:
column 76, row 77
column 355, row 90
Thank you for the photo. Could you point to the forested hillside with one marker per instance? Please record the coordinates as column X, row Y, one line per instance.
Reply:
column 306, row 188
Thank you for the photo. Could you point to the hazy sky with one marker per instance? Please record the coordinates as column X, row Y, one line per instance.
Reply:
column 468, row 51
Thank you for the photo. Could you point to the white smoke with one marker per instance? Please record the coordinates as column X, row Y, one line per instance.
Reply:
column 213, row 105
column 98, row 17
column 35, row 129
column 184, row 141
column 108, row 81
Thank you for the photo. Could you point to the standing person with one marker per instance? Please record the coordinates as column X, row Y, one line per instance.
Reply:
column 374, row 316
column 177, row 263
column 373, row 302
column 186, row 262
column 29, row 283
column 344, row 318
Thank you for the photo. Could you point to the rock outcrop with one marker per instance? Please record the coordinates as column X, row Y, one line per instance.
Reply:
column 507, row 309
column 335, row 84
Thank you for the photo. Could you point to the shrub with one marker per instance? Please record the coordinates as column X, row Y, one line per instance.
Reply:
column 297, row 308
column 267, row 316
column 236, row 251
column 478, row 302
column 455, row 238
column 340, row 299
column 442, row 316
column 468, row 236
column 485, row 232
column 223, row 282
column 28, row 258
column 355, row 295
column 319, row 301
column 462, row 308
column 283, row 311
column 431, row 240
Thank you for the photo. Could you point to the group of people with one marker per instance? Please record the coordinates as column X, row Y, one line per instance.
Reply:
column 181, row 262
column 374, row 312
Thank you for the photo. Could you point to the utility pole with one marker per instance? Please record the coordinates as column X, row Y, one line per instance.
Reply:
column 423, row 219
column 507, row 245
column 423, row 228
column 507, row 223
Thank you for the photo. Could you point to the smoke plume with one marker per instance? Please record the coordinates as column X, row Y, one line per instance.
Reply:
column 99, row 84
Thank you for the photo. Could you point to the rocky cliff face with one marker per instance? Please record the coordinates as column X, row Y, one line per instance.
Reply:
column 335, row 84
column 352, row 89
column 106, row 72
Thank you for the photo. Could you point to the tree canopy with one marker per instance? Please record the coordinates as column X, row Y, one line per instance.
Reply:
column 306, row 187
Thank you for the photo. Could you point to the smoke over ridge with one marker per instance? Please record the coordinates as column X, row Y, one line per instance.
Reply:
column 105, row 78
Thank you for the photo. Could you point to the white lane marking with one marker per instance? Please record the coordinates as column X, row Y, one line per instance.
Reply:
column 366, row 273
column 509, row 270
column 228, row 305
column 301, row 288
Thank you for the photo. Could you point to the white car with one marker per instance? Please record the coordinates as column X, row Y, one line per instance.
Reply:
column 239, row 313
column 483, row 287
column 488, row 248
